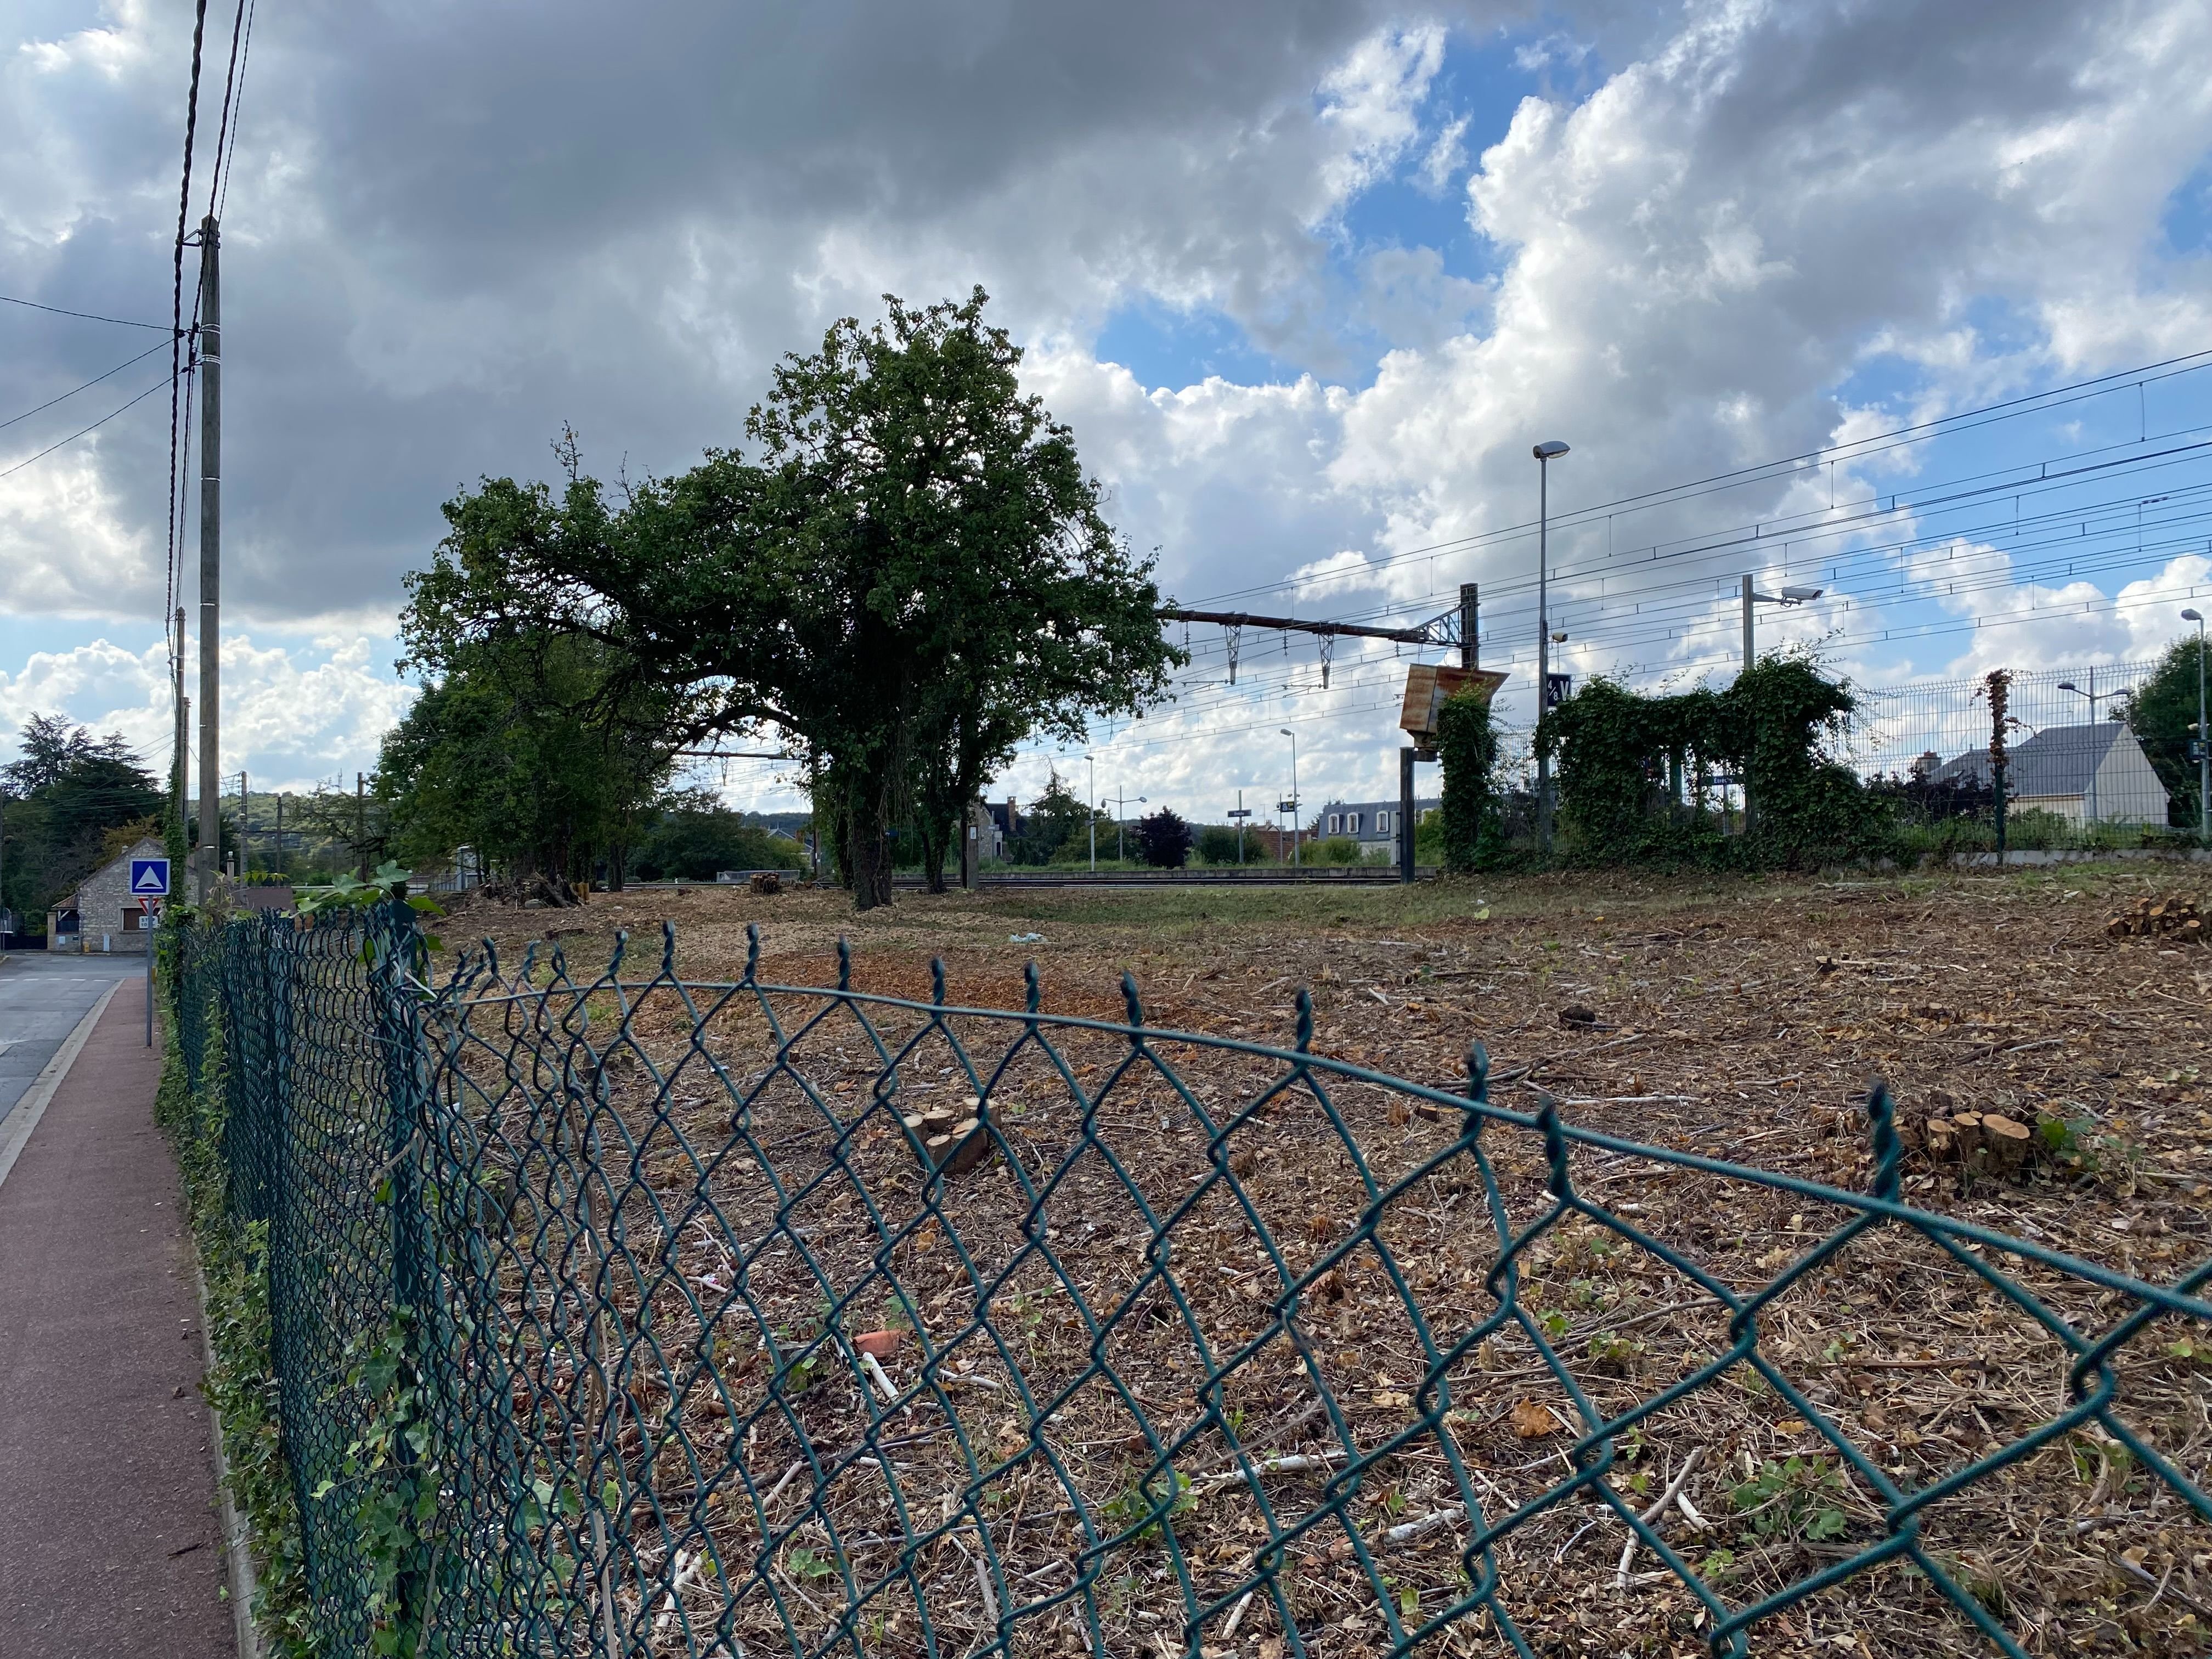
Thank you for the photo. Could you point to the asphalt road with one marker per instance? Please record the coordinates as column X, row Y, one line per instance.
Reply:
column 41, row 999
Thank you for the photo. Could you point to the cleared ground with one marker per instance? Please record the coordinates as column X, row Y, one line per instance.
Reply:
column 1742, row 1020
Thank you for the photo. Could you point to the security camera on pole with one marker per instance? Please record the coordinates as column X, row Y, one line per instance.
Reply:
column 1753, row 597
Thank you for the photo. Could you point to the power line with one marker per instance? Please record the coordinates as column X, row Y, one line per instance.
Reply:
column 223, row 127
column 230, row 158
column 177, row 307
column 86, row 386
column 74, row 436
column 1854, row 449
column 1946, row 494
column 88, row 316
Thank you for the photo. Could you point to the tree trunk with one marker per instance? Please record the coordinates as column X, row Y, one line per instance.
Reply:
column 867, row 854
column 933, row 844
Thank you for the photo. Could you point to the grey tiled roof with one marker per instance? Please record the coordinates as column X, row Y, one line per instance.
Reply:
column 2057, row 761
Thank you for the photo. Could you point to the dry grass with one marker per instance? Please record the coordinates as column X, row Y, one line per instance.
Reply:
column 1124, row 1252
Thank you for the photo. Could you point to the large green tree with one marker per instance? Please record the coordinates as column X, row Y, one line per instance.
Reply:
column 2160, row 712
column 908, row 576
column 513, row 752
column 68, row 791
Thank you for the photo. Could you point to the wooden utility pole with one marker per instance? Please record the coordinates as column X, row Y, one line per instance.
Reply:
column 210, row 861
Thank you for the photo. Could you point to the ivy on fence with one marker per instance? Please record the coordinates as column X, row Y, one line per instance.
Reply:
column 619, row 1314
column 1637, row 774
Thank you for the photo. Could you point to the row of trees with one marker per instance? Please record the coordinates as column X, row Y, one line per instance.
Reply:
column 904, row 576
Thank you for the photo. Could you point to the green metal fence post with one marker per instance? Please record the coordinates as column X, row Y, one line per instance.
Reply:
column 393, row 947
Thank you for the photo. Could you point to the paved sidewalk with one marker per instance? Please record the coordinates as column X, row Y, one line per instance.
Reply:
column 109, row 1541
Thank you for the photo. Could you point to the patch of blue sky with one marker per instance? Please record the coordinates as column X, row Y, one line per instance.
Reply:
column 1162, row 346
column 22, row 637
column 2187, row 221
column 1420, row 206
column 2103, row 486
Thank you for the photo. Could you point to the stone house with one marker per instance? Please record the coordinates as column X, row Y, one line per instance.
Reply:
column 100, row 916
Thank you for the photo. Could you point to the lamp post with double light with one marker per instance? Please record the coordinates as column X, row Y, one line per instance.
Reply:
column 2096, row 758
column 1287, row 732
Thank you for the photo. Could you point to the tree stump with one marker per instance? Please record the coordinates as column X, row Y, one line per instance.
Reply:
column 2005, row 1143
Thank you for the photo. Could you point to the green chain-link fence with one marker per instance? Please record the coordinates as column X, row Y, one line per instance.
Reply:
column 616, row 1315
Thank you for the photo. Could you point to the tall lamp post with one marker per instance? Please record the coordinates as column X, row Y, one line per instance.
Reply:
column 1545, row 453
column 2204, row 754
column 1091, row 811
column 1119, row 801
column 1287, row 732
column 2095, row 696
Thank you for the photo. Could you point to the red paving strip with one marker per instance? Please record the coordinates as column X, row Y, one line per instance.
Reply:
column 109, row 1541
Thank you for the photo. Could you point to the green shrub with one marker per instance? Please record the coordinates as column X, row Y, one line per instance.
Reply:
column 1467, row 821
column 1333, row 849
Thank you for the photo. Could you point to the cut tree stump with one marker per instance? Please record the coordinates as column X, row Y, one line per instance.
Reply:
column 2006, row 1143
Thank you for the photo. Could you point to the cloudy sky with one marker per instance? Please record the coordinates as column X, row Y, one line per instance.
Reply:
column 1307, row 280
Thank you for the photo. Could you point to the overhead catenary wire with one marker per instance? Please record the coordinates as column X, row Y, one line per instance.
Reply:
column 1946, row 494
column 1810, row 461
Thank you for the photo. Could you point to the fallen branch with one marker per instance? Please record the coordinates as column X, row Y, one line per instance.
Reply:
column 1652, row 1515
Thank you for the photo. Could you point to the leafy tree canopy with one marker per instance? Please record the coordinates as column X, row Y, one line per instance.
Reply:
column 1052, row 821
column 692, row 837
column 2160, row 712
column 72, row 790
column 520, row 752
column 908, row 576
column 1164, row 840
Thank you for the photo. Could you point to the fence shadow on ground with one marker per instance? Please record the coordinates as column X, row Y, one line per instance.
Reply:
column 616, row 1315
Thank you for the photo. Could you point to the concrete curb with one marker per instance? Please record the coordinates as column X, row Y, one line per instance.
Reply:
column 237, row 1552
column 15, row 1134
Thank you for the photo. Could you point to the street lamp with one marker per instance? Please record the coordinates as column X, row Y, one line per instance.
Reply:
column 1091, row 812
column 1545, row 453
column 1285, row 730
column 1119, row 801
column 2094, row 696
column 2203, row 755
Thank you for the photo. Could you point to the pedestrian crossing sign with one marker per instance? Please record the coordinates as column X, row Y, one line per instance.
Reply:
column 150, row 877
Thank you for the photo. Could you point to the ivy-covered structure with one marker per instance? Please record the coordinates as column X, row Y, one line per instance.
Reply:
column 1637, row 775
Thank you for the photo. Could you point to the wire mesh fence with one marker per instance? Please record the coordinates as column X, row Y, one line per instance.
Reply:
column 2079, row 774
column 617, row 1315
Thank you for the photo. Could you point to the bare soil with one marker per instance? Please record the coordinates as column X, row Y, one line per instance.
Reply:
column 1190, row 1286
